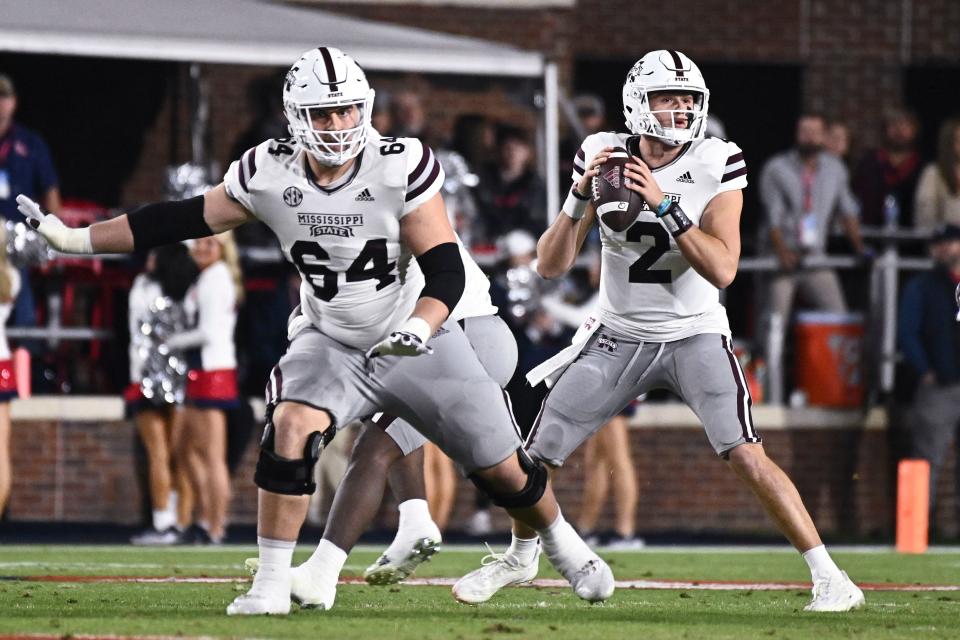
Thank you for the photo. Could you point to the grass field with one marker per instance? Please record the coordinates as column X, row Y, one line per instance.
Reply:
column 69, row 591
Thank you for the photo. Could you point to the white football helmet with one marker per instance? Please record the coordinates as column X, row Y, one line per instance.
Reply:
column 665, row 70
column 324, row 78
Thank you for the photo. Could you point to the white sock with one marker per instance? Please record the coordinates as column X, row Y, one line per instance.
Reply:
column 173, row 500
column 820, row 563
column 327, row 562
column 414, row 518
column 275, row 559
column 523, row 549
column 562, row 544
column 163, row 519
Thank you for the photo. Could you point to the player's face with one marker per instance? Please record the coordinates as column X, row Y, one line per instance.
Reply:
column 335, row 118
column 662, row 102
column 206, row 251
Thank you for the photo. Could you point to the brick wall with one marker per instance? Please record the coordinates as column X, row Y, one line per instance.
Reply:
column 85, row 472
column 853, row 55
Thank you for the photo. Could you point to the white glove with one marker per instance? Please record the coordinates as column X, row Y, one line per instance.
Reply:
column 58, row 235
column 408, row 340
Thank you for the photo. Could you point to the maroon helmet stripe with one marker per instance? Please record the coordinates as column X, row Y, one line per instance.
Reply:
column 677, row 63
column 331, row 70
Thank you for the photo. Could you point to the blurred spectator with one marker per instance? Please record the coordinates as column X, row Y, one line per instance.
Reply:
column 25, row 168
column 802, row 189
column 838, row 140
column 458, row 197
column 511, row 195
column 159, row 420
column 890, row 170
column 930, row 341
column 9, row 285
column 938, row 192
column 409, row 119
column 473, row 138
column 715, row 126
column 381, row 119
column 263, row 95
column 212, row 381
column 591, row 116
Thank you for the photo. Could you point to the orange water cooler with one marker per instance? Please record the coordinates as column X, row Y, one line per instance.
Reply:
column 828, row 358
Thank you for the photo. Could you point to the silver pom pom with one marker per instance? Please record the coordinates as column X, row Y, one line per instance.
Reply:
column 164, row 379
column 25, row 246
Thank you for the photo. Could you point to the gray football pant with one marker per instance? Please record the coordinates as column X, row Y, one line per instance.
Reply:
column 496, row 348
column 613, row 369
column 447, row 395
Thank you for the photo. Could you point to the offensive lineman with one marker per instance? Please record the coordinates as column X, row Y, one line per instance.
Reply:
column 660, row 322
column 349, row 209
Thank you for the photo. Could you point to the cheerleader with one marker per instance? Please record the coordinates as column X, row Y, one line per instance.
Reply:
column 9, row 288
column 169, row 272
column 212, row 381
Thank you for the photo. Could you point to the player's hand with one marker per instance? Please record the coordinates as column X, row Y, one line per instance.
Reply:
column 408, row 340
column 592, row 169
column 789, row 259
column 58, row 235
column 640, row 180
column 398, row 343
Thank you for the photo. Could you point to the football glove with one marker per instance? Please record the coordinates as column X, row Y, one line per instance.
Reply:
column 408, row 340
column 58, row 235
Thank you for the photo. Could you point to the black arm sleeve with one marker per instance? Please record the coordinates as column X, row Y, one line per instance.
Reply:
column 443, row 271
column 161, row 223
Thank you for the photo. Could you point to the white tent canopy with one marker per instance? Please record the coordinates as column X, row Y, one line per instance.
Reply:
column 243, row 32
column 259, row 32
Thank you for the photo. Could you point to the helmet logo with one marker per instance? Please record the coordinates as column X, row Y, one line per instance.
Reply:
column 292, row 196
column 613, row 177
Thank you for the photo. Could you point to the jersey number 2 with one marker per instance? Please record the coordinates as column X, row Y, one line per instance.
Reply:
column 308, row 257
column 640, row 271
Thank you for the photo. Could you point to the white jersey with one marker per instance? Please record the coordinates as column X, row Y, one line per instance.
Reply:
column 5, row 309
column 211, row 308
column 648, row 290
column 359, row 282
column 142, row 294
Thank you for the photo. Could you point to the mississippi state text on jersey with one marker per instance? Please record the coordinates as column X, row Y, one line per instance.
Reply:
column 343, row 238
column 648, row 290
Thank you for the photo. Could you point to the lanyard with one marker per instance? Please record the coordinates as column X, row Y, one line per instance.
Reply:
column 807, row 177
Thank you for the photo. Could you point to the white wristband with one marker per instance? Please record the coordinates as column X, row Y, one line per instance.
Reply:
column 418, row 327
column 66, row 239
column 575, row 207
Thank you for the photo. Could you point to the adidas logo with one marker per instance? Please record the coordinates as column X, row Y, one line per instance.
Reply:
column 365, row 196
column 686, row 177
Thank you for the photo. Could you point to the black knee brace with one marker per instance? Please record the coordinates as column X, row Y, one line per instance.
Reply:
column 289, row 477
column 526, row 497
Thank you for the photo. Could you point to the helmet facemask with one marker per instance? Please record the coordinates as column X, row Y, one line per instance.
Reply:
column 642, row 120
column 331, row 148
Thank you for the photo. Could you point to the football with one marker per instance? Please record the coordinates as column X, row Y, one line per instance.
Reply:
column 616, row 205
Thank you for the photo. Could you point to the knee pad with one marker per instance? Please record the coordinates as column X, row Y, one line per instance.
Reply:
column 283, row 475
column 528, row 496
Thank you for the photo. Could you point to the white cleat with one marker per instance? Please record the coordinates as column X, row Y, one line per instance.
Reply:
column 260, row 601
column 498, row 570
column 593, row 581
column 304, row 589
column 309, row 592
column 835, row 594
column 386, row 570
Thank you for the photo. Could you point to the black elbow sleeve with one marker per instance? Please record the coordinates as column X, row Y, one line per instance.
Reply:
column 161, row 223
column 443, row 271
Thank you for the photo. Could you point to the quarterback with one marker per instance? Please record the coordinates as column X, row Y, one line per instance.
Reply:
column 659, row 323
column 351, row 211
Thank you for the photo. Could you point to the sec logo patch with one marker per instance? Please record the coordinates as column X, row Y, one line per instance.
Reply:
column 292, row 196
